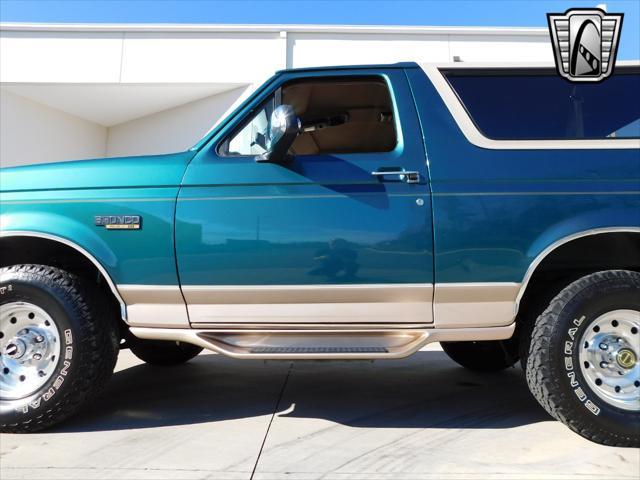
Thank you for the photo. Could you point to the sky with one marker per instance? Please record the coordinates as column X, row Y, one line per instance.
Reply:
column 518, row 13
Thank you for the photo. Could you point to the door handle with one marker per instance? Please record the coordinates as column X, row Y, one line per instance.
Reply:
column 403, row 175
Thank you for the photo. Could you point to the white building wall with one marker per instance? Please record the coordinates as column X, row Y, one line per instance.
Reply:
column 33, row 133
column 171, row 130
column 321, row 49
column 36, row 56
column 189, row 57
column 500, row 48
column 110, row 76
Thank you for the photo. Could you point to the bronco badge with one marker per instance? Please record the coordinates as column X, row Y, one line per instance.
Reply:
column 119, row 222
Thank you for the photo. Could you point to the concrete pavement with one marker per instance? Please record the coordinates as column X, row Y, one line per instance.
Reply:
column 216, row 418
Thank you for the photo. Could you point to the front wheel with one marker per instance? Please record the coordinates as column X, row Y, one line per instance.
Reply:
column 58, row 348
column 583, row 360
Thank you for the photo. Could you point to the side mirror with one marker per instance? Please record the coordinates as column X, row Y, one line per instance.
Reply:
column 284, row 127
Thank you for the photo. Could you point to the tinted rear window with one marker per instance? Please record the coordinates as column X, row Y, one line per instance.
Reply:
column 538, row 106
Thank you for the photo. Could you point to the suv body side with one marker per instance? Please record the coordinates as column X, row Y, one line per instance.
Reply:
column 489, row 214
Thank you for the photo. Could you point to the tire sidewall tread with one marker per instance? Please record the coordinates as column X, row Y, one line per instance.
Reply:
column 82, row 317
column 557, row 382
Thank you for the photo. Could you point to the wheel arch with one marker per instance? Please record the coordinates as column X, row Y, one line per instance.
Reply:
column 7, row 236
column 605, row 234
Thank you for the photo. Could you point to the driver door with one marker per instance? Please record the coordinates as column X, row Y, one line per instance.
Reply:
column 327, row 237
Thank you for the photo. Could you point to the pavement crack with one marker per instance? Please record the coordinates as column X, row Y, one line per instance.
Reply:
column 273, row 416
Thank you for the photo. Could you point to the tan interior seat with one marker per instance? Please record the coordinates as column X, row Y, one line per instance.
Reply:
column 364, row 105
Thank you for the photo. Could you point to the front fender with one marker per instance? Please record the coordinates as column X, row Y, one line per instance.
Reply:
column 138, row 257
column 63, row 229
column 92, row 244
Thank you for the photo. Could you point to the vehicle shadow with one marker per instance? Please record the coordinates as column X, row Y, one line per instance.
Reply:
column 426, row 390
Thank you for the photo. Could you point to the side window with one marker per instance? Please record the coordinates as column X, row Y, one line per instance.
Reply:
column 342, row 115
column 251, row 138
column 523, row 106
column 338, row 115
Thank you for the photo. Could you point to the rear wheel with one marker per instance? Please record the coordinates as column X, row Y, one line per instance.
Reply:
column 164, row 353
column 486, row 356
column 583, row 363
column 58, row 347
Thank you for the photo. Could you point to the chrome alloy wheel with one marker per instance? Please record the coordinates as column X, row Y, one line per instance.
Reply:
column 29, row 349
column 609, row 350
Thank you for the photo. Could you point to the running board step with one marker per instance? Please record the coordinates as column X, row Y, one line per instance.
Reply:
column 319, row 344
column 316, row 350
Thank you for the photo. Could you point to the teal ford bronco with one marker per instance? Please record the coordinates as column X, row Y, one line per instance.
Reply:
column 346, row 213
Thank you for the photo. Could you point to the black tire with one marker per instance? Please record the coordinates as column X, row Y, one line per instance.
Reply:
column 553, row 368
column 485, row 356
column 89, row 345
column 528, row 315
column 163, row 353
